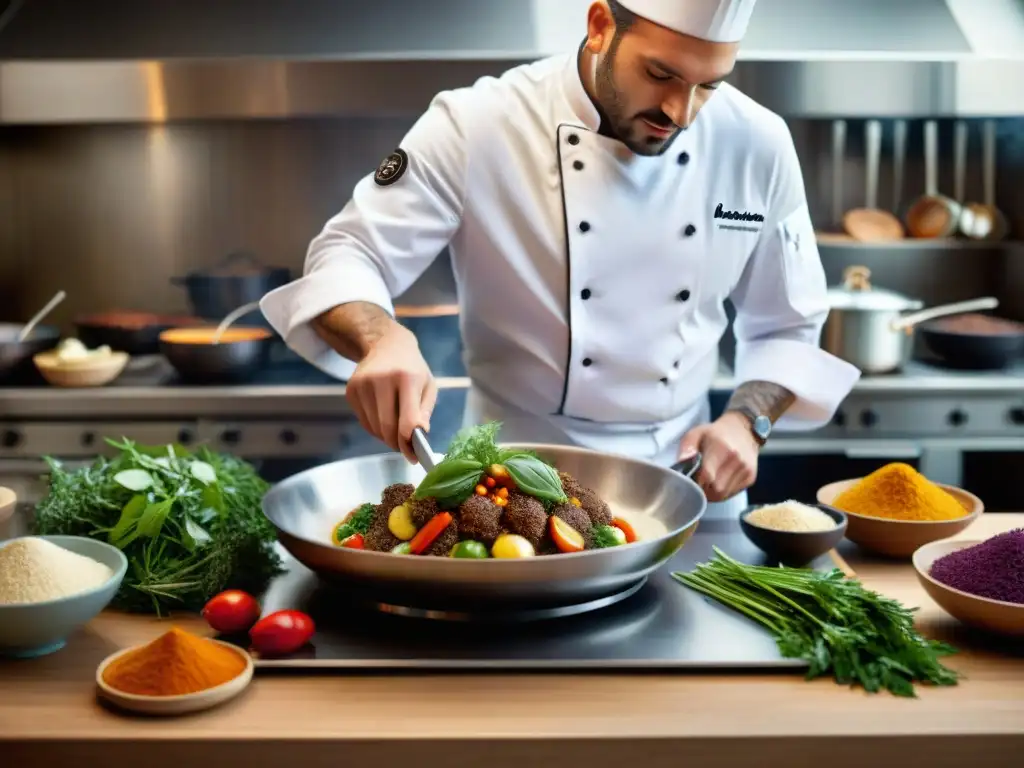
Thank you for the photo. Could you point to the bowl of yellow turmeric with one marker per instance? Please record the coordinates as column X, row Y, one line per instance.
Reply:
column 895, row 510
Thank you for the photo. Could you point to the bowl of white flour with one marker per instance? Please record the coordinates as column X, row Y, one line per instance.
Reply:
column 50, row 586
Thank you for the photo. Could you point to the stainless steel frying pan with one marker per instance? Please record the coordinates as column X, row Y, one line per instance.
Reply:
column 305, row 508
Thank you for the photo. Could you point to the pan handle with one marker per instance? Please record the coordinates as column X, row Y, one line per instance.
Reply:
column 688, row 466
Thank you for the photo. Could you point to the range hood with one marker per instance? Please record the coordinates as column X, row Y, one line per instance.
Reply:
column 158, row 60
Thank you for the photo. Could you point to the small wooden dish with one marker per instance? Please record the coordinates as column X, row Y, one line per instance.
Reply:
column 901, row 538
column 996, row 616
column 175, row 705
column 90, row 372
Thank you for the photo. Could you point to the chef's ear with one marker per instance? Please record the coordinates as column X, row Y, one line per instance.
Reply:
column 600, row 26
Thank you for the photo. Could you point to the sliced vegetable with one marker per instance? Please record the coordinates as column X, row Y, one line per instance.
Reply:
column 232, row 611
column 426, row 535
column 532, row 476
column 281, row 633
column 400, row 523
column 626, row 528
column 511, row 546
column 608, row 536
column 356, row 521
column 355, row 541
column 566, row 538
column 402, row 549
column 470, row 550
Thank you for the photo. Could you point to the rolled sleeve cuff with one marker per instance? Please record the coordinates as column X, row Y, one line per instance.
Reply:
column 290, row 309
column 819, row 380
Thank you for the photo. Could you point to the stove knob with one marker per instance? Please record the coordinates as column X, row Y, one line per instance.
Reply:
column 231, row 436
column 11, row 438
column 1017, row 416
column 839, row 419
column 288, row 437
column 185, row 436
column 868, row 419
column 88, row 439
column 957, row 418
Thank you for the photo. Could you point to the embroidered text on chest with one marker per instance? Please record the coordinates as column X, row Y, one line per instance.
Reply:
column 755, row 219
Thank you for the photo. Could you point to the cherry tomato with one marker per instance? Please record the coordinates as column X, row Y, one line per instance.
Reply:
column 626, row 528
column 355, row 541
column 232, row 611
column 281, row 633
column 566, row 538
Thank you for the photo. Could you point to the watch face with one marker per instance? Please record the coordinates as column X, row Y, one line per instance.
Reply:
column 762, row 427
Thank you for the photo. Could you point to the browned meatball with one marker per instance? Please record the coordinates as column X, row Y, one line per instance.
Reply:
column 578, row 519
column 448, row 538
column 525, row 516
column 395, row 495
column 480, row 520
column 595, row 506
column 421, row 510
column 379, row 537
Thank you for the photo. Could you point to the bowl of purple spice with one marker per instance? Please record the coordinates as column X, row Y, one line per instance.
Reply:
column 981, row 583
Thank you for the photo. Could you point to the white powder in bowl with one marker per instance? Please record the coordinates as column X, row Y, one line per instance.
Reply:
column 33, row 570
column 791, row 516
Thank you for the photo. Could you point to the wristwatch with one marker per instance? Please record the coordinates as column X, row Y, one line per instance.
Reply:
column 760, row 425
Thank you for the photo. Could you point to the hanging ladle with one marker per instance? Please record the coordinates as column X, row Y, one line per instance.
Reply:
column 230, row 319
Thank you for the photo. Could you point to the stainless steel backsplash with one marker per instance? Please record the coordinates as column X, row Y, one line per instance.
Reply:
column 110, row 213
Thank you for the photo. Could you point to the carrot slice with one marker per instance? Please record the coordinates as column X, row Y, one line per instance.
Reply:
column 626, row 528
column 566, row 538
column 426, row 535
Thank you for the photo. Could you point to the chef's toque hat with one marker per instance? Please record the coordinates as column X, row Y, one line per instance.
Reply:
column 719, row 21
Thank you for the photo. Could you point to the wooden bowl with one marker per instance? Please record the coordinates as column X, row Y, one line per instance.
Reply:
column 90, row 372
column 175, row 705
column 900, row 538
column 995, row 616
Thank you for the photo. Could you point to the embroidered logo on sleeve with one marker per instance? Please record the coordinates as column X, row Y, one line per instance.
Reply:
column 391, row 168
column 742, row 221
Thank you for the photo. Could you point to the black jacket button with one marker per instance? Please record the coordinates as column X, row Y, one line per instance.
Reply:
column 683, row 295
column 578, row 165
column 664, row 380
column 574, row 139
column 585, row 294
column 684, row 158
column 690, row 230
column 587, row 362
column 584, row 226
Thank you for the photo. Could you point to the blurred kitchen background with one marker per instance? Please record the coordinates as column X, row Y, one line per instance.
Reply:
column 146, row 141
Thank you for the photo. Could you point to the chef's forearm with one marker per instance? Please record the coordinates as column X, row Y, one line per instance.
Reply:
column 353, row 328
column 762, row 397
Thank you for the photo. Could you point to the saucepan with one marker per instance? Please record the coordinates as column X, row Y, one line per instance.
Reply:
column 867, row 326
column 19, row 343
column 306, row 507
column 218, row 355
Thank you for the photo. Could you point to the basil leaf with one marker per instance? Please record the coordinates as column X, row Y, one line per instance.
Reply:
column 130, row 514
column 153, row 518
column 535, row 478
column 197, row 535
column 451, row 480
column 134, row 479
column 203, row 472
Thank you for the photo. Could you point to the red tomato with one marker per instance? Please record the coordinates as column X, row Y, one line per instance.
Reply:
column 232, row 611
column 355, row 541
column 281, row 633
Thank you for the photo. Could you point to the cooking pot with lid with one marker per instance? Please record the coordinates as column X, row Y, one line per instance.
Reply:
column 866, row 325
column 238, row 279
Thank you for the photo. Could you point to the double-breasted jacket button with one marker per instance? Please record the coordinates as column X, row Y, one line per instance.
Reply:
column 585, row 294
column 584, row 226
column 587, row 362
column 683, row 295
column 664, row 379
column 578, row 165
column 574, row 139
column 690, row 230
column 684, row 158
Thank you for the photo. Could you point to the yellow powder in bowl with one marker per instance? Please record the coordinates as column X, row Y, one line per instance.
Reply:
column 899, row 492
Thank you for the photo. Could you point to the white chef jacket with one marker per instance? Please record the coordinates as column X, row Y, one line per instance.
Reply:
column 591, row 280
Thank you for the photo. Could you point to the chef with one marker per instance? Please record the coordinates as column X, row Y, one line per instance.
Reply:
column 599, row 207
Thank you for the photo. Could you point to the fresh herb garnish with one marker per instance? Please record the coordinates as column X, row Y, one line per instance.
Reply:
column 534, row 477
column 451, row 482
column 831, row 622
column 190, row 524
column 359, row 522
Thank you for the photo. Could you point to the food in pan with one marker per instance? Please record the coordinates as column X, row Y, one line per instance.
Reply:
column 483, row 501
column 978, row 325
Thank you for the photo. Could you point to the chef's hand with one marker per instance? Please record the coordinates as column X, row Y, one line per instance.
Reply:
column 729, row 455
column 392, row 390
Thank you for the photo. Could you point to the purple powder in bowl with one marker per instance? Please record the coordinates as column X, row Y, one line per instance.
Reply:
column 993, row 569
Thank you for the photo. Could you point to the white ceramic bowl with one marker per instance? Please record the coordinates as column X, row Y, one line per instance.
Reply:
column 36, row 629
column 175, row 705
column 90, row 372
column 995, row 616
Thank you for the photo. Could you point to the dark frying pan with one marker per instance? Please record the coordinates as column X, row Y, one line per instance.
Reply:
column 137, row 333
column 974, row 342
column 16, row 356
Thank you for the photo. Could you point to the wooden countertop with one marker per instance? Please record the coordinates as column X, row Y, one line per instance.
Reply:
column 49, row 715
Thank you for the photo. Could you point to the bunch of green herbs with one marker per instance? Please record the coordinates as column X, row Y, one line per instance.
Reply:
column 471, row 453
column 189, row 523
column 833, row 623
